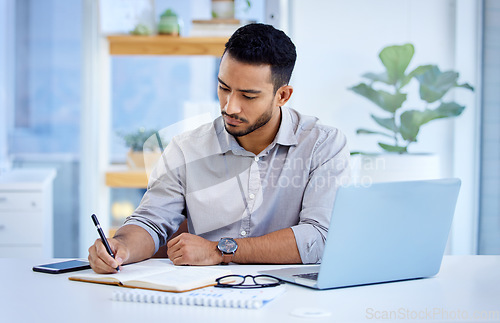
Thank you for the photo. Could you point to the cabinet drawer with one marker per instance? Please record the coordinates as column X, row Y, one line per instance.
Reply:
column 24, row 228
column 20, row 201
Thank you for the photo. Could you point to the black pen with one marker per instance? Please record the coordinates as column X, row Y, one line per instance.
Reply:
column 103, row 238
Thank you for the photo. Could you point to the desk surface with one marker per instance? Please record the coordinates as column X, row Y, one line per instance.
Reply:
column 466, row 286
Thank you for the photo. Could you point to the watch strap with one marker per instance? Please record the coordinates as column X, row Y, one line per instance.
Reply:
column 226, row 258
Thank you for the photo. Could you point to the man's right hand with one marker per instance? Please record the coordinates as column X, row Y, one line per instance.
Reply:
column 130, row 244
column 101, row 261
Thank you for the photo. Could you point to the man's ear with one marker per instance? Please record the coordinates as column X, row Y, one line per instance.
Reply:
column 283, row 95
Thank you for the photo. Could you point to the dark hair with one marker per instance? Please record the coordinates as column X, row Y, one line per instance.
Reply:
column 264, row 44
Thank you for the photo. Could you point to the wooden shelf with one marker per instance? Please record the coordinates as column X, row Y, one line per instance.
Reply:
column 166, row 45
column 122, row 176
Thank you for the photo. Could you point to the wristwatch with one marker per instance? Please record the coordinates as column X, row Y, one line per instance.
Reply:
column 228, row 247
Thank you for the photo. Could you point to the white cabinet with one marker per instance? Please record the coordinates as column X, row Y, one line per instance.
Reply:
column 26, row 216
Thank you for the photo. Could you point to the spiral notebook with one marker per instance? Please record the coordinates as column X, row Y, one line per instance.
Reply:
column 209, row 296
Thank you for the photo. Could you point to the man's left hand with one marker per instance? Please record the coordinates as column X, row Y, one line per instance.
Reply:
column 190, row 249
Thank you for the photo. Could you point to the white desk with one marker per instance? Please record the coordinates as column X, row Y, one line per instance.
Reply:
column 466, row 285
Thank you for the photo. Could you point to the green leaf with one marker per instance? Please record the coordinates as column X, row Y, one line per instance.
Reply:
column 393, row 149
column 410, row 124
column 420, row 70
column 364, row 153
column 137, row 139
column 412, row 120
column 417, row 71
column 370, row 132
column 168, row 13
column 396, row 59
column 387, row 101
column 448, row 109
column 434, row 84
column 387, row 123
column 465, row 86
column 381, row 77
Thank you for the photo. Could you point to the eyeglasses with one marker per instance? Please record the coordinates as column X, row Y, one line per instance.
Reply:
column 238, row 281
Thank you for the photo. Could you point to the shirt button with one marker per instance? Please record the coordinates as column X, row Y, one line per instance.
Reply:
column 251, row 196
column 257, row 158
column 243, row 233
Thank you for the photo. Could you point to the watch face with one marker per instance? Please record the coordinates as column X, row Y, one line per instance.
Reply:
column 227, row 245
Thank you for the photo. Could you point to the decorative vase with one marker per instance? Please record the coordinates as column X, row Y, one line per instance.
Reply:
column 223, row 9
column 169, row 23
column 367, row 169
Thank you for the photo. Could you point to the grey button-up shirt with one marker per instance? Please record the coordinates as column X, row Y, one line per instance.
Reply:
column 225, row 191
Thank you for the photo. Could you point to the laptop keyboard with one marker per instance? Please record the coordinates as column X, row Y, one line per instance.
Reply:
column 311, row 276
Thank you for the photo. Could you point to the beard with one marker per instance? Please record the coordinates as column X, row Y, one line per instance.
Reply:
column 261, row 121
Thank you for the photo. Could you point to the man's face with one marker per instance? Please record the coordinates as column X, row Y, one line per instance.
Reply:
column 246, row 95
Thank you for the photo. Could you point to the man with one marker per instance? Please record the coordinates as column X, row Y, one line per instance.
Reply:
column 256, row 185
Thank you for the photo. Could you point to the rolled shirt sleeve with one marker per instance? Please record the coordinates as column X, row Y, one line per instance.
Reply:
column 330, row 169
column 161, row 210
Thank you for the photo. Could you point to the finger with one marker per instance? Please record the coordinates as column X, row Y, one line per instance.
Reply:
column 97, row 264
column 121, row 255
column 177, row 243
column 173, row 253
column 103, row 254
column 173, row 241
column 100, row 267
column 178, row 259
column 103, row 261
column 176, row 252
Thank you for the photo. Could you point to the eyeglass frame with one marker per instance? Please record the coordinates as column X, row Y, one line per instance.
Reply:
column 241, row 285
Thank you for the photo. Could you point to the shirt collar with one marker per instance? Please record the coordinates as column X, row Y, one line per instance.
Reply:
column 285, row 136
column 226, row 141
column 286, row 133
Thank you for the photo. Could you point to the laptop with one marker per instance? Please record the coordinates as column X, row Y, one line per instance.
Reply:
column 382, row 233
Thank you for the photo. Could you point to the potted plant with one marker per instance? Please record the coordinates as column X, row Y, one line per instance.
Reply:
column 145, row 147
column 169, row 23
column 399, row 124
column 224, row 9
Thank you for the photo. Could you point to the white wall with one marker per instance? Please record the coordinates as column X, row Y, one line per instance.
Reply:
column 337, row 41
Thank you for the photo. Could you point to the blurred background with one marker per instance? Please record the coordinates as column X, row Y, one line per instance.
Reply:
column 77, row 91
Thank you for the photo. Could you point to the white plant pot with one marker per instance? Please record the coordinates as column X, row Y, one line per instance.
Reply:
column 367, row 169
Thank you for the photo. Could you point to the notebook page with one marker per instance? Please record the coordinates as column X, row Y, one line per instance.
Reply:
column 129, row 272
column 185, row 277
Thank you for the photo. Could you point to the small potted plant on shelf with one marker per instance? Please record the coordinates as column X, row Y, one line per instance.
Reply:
column 225, row 9
column 141, row 30
column 145, row 147
column 169, row 24
column 399, row 123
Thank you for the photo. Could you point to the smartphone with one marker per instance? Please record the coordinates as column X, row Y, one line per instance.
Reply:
column 62, row 267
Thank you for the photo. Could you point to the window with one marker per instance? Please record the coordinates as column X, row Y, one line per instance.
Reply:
column 46, row 77
column 43, row 56
column 489, row 218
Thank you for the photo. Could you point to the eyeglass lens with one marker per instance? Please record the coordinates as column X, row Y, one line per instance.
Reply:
column 248, row 280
